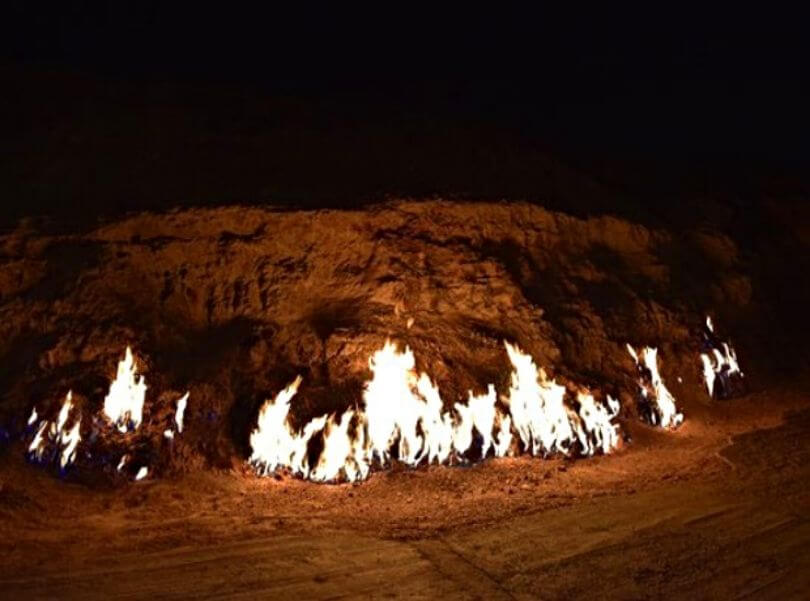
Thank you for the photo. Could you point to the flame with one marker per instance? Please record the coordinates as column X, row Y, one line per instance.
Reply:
column 436, row 424
column 546, row 424
column 479, row 413
column 598, row 420
column 403, row 416
column 403, row 407
column 340, row 454
column 123, row 405
column 64, row 412
column 168, row 433
column 273, row 441
column 142, row 473
column 181, row 409
column 70, row 441
column 67, row 440
column 654, row 391
column 392, row 408
column 718, row 363
column 539, row 415
column 37, row 446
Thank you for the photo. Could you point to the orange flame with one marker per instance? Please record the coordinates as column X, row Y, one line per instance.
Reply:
column 665, row 412
column 123, row 404
column 403, row 416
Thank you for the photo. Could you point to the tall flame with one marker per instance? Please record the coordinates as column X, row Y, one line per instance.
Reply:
column 718, row 363
column 403, row 416
column 66, row 440
column 392, row 409
column 123, row 405
column 539, row 415
column 546, row 424
column 598, row 421
column 273, row 441
column 181, row 409
column 653, row 390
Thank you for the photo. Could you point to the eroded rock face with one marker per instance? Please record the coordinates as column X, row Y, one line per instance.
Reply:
column 232, row 303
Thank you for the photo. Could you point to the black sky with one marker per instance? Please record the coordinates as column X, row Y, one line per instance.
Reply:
column 724, row 89
column 653, row 79
column 731, row 83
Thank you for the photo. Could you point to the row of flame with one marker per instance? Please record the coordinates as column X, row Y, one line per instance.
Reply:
column 403, row 416
column 122, row 411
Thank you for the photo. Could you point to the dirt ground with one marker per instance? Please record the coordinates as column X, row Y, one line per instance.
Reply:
column 719, row 509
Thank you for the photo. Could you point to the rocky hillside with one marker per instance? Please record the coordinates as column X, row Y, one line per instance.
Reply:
column 231, row 303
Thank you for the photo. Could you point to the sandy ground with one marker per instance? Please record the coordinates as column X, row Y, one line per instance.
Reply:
column 719, row 509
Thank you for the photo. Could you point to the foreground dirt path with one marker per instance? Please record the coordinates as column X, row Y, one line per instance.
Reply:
column 718, row 510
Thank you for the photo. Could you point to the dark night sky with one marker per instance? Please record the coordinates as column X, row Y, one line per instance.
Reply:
column 724, row 88
column 735, row 83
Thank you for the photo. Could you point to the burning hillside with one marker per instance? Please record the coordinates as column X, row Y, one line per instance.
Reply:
column 580, row 370
column 330, row 344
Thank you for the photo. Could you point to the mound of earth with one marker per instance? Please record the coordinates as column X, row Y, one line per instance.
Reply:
column 232, row 303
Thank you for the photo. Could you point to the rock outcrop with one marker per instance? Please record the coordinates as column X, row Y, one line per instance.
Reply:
column 231, row 303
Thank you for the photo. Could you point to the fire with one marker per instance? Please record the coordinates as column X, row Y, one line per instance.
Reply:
column 480, row 414
column 546, row 424
column 598, row 421
column 123, row 405
column 654, row 392
column 65, row 440
column 436, row 424
column 720, row 364
column 340, row 453
column 168, row 434
column 123, row 408
column 181, row 409
column 273, row 441
column 403, row 417
column 37, row 446
column 543, row 422
column 392, row 409
column 404, row 413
